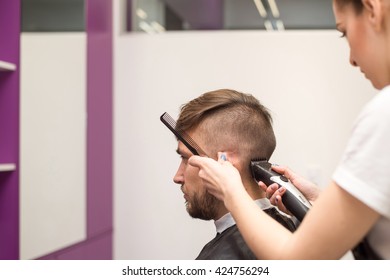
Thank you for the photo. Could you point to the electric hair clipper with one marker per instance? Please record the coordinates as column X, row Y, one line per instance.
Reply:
column 293, row 199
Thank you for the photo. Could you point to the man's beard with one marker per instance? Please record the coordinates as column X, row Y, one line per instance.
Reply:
column 203, row 206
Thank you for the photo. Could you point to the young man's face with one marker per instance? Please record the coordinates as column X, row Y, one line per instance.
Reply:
column 199, row 203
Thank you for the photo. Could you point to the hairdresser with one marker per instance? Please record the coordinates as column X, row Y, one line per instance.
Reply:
column 355, row 208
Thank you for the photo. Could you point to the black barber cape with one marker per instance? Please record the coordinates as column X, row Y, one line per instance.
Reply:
column 230, row 245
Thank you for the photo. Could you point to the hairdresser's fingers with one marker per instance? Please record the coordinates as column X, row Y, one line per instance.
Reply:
column 263, row 186
column 220, row 178
column 269, row 190
column 277, row 201
column 198, row 161
column 205, row 166
column 274, row 193
column 280, row 169
column 195, row 161
column 287, row 172
column 280, row 205
column 214, row 172
column 310, row 190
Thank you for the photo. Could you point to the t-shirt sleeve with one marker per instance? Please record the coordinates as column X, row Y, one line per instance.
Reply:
column 364, row 170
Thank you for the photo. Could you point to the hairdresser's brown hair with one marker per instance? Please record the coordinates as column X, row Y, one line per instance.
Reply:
column 230, row 120
column 357, row 4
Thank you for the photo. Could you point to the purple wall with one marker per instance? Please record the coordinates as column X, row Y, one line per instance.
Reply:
column 99, row 132
column 9, row 129
column 98, row 244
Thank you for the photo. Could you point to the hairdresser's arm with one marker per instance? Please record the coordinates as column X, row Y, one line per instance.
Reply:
column 334, row 225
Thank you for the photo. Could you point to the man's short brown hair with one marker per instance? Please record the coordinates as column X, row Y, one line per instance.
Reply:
column 228, row 120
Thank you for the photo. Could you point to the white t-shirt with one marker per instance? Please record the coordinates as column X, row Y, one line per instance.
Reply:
column 364, row 170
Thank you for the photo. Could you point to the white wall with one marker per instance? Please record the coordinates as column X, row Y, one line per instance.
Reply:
column 53, row 142
column 303, row 77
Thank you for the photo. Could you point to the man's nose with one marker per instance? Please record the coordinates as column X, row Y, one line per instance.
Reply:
column 178, row 178
column 352, row 61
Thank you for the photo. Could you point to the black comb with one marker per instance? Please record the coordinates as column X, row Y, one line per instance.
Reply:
column 181, row 135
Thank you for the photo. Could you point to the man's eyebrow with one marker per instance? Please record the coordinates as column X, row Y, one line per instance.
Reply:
column 180, row 152
column 183, row 153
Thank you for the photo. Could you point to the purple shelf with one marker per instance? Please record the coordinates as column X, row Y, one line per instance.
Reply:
column 7, row 66
column 6, row 167
column 9, row 127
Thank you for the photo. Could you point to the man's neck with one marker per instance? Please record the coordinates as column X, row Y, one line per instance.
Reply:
column 227, row 221
column 222, row 211
column 254, row 192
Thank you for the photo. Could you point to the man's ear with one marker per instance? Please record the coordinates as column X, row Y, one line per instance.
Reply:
column 376, row 13
column 236, row 161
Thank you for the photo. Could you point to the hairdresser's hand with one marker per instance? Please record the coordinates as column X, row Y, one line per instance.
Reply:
column 308, row 189
column 274, row 195
column 220, row 177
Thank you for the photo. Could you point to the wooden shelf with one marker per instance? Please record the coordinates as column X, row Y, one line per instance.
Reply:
column 7, row 66
column 7, row 167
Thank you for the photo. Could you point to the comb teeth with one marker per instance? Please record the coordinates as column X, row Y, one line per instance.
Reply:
column 181, row 135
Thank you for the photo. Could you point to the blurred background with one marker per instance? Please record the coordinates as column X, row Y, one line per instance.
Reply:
column 86, row 167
